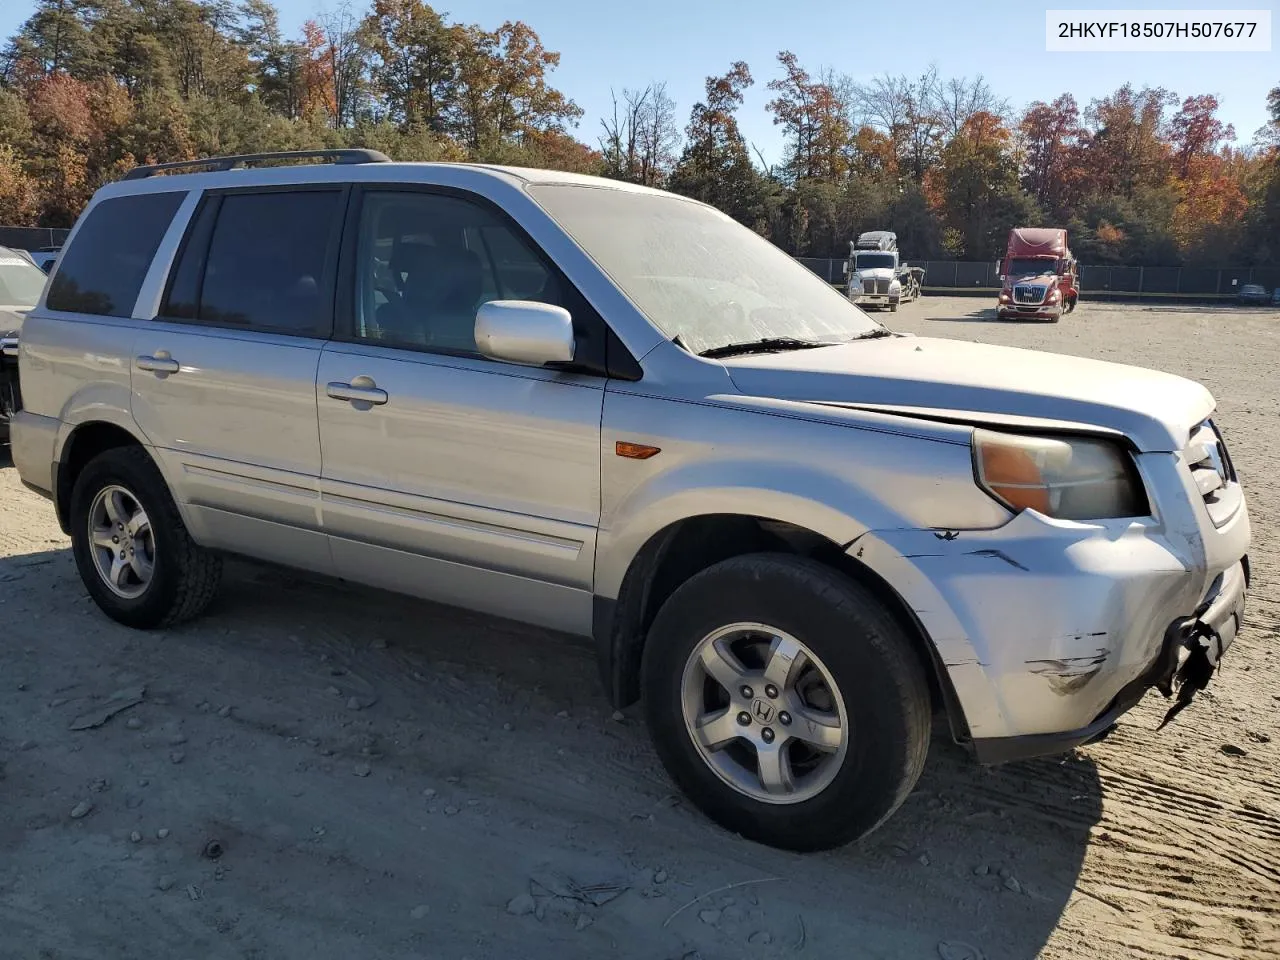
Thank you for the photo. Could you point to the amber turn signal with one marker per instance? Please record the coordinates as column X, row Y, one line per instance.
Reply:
column 635, row 451
column 1013, row 475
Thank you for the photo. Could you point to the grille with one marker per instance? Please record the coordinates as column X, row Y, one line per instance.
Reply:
column 876, row 285
column 1029, row 293
column 1211, row 467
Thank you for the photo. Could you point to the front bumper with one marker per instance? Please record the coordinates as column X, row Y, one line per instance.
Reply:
column 876, row 298
column 1207, row 633
column 1038, row 311
column 1046, row 630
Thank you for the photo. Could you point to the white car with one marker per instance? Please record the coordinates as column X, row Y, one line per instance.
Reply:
column 21, row 283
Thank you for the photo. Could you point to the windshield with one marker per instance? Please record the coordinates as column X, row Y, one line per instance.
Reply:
column 875, row 261
column 20, row 281
column 1029, row 266
column 696, row 273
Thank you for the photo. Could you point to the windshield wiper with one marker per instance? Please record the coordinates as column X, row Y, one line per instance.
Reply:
column 874, row 334
column 765, row 345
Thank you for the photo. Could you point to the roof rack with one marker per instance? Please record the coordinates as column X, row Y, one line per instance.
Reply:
column 232, row 163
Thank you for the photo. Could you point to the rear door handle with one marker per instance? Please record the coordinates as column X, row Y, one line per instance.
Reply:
column 160, row 362
column 360, row 389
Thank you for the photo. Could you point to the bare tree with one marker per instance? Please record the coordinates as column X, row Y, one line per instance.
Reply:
column 640, row 139
column 347, row 52
column 960, row 98
column 908, row 111
column 883, row 102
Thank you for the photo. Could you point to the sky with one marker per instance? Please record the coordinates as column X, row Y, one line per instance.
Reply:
column 681, row 42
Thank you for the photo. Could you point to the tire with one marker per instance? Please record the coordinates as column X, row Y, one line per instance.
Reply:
column 880, row 689
column 183, row 576
column 893, row 308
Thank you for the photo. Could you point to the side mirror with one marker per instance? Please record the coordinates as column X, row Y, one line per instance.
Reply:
column 846, row 268
column 525, row 331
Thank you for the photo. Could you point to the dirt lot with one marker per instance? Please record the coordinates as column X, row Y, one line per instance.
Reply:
column 388, row 779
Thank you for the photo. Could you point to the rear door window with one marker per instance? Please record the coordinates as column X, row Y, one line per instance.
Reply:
column 103, row 269
column 260, row 261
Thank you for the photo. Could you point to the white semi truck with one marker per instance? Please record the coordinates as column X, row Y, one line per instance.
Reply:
column 876, row 277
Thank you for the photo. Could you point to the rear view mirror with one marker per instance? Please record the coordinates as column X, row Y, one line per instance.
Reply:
column 525, row 331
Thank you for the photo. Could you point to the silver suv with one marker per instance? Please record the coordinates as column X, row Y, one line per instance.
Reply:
column 793, row 534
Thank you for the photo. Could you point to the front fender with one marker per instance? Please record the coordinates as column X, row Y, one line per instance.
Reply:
column 835, row 480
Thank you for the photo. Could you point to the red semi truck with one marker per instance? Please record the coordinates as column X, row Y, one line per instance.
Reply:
column 1038, row 275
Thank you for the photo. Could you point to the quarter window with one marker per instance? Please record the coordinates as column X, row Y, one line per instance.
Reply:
column 103, row 269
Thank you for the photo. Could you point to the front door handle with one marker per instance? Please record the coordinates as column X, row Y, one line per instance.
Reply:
column 359, row 390
column 159, row 362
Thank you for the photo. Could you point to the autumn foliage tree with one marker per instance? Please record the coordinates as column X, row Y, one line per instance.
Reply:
column 715, row 166
column 815, row 120
column 975, row 187
column 1053, row 172
column 89, row 88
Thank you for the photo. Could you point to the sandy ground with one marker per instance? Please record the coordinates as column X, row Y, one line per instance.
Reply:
column 388, row 779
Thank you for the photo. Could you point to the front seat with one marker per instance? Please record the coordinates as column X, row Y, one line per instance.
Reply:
column 437, row 307
column 460, row 283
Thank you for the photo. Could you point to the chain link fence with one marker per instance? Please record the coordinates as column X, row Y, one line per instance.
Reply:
column 966, row 276
column 32, row 238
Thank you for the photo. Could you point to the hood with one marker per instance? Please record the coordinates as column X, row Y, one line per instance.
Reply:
column 11, row 320
column 885, row 273
column 974, row 382
column 1048, row 278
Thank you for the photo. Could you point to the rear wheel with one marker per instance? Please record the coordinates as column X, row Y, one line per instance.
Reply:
column 131, row 547
column 785, row 701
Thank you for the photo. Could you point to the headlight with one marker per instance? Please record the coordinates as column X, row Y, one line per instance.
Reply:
column 895, row 284
column 1070, row 478
column 1053, row 296
column 1004, row 297
column 855, row 285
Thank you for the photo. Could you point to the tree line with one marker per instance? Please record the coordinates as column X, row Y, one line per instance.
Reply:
column 90, row 88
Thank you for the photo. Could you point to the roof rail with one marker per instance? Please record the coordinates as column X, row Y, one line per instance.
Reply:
column 232, row 163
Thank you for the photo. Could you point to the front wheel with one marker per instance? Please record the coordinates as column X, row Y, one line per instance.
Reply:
column 131, row 547
column 785, row 701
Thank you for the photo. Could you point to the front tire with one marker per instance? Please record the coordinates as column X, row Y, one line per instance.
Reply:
column 132, row 549
column 785, row 701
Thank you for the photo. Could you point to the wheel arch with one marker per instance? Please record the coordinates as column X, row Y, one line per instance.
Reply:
column 83, row 442
column 687, row 546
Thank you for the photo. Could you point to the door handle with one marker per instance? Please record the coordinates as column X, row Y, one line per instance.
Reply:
column 160, row 362
column 359, row 390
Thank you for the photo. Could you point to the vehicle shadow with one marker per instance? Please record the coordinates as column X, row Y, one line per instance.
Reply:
column 984, row 857
column 988, row 315
column 980, row 313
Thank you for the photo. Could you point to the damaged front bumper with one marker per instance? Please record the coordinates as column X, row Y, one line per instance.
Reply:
column 1046, row 631
column 1193, row 648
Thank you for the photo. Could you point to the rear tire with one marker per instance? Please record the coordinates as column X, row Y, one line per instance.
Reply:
column 152, row 574
column 872, row 722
